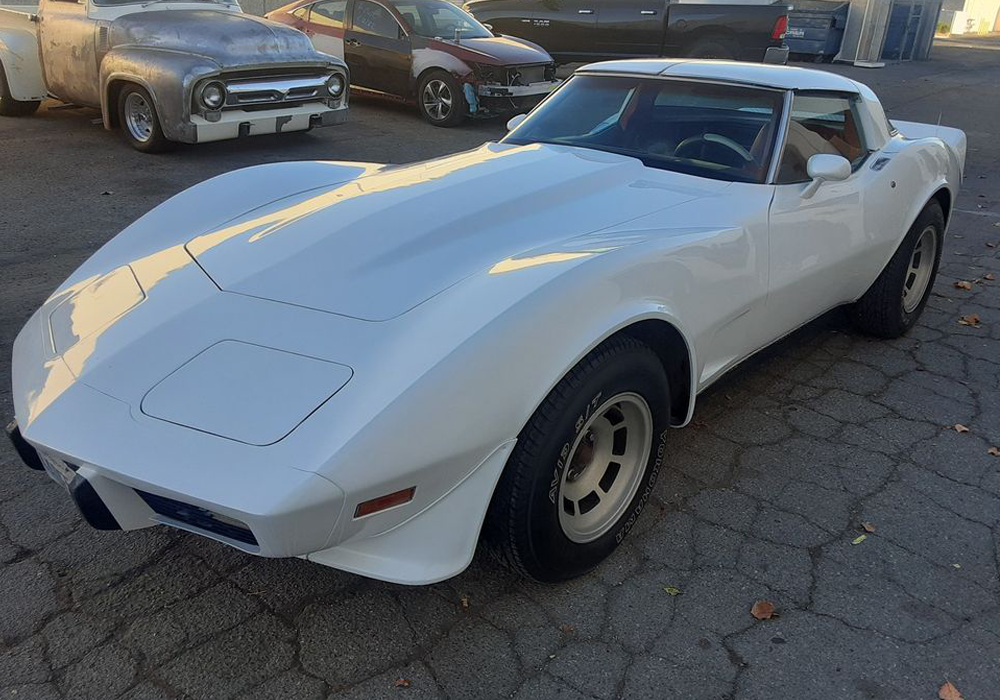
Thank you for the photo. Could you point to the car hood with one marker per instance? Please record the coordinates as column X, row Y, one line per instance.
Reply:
column 379, row 245
column 229, row 38
column 504, row 50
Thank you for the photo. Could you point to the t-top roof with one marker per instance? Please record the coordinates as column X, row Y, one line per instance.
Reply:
column 767, row 75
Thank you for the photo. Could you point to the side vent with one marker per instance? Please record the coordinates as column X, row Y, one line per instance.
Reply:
column 103, row 39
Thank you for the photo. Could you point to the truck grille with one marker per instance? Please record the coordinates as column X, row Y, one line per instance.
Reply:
column 199, row 518
column 275, row 90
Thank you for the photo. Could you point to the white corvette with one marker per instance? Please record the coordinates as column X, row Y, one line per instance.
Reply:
column 371, row 366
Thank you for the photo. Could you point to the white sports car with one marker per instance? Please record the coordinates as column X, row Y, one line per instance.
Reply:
column 371, row 366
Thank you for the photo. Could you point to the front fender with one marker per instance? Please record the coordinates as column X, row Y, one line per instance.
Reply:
column 168, row 76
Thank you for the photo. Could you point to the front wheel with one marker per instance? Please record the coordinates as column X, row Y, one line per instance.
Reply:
column 139, row 121
column 440, row 99
column 584, row 466
column 893, row 303
column 9, row 107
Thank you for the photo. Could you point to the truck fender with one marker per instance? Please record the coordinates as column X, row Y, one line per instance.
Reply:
column 168, row 76
column 19, row 56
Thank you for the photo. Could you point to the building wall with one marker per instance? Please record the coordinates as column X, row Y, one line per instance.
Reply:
column 969, row 17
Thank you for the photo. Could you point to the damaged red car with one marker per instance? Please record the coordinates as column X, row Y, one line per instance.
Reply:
column 429, row 52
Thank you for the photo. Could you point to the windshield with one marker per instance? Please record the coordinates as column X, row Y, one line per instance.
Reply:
column 724, row 132
column 440, row 19
column 153, row 2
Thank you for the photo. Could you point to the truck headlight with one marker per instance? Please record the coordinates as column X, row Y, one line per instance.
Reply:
column 213, row 95
column 335, row 84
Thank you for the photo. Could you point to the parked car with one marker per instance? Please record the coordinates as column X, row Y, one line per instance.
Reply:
column 166, row 71
column 429, row 52
column 589, row 30
column 359, row 363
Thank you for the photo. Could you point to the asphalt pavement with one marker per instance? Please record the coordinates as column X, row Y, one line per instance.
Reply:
column 766, row 496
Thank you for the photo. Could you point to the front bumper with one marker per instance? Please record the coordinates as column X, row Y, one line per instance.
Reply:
column 235, row 123
column 533, row 90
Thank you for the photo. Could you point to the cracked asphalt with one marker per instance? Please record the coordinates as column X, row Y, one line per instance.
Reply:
column 762, row 499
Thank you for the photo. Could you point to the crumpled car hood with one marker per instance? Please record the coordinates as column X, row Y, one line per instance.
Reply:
column 377, row 246
column 230, row 39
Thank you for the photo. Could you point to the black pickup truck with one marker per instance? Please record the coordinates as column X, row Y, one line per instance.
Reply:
column 589, row 30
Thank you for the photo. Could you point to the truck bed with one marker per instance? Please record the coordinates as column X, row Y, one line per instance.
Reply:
column 19, row 54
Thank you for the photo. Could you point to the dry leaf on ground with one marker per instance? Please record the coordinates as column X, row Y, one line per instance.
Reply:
column 949, row 692
column 969, row 320
column 867, row 527
column 859, row 539
column 989, row 276
column 763, row 610
column 465, row 601
column 995, row 451
column 962, row 284
column 672, row 590
column 402, row 683
column 959, row 428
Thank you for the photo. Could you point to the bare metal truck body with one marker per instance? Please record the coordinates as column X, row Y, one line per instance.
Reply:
column 169, row 71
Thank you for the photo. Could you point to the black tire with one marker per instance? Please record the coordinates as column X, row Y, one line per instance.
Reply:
column 9, row 107
column 881, row 311
column 459, row 108
column 155, row 142
column 523, row 524
column 712, row 47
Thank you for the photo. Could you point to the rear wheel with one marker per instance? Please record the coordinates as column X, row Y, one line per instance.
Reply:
column 894, row 302
column 9, row 107
column 713, row 47
column 584, row 465
column 440, row 99
column 139, row 123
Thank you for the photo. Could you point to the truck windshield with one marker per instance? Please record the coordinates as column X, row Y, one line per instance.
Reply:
column 714, row 130
column 440, row 19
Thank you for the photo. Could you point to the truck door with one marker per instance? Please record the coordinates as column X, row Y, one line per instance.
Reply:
column 67, row 39
column 564, row 28
column 629, row 28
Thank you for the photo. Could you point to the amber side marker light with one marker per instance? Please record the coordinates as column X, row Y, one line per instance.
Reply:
column 397, row 498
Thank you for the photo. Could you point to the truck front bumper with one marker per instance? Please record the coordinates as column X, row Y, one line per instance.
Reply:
column 235, row 123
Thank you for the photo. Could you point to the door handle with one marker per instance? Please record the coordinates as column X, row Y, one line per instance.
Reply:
column 585, row 12
column 647, row 12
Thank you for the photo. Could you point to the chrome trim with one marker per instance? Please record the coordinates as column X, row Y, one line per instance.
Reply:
column 779, row 141
column 258, row 91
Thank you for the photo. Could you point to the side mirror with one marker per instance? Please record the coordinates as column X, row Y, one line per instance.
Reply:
column 824, row 167
column 515, row 121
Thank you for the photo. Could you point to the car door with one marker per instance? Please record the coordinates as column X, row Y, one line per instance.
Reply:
column 67, row 40
column 564, row 28
column 630, row 28
column 820, row 253
column 377, row 50
column 325, row 26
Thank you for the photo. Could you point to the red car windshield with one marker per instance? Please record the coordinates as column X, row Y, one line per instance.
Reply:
column 439, row 19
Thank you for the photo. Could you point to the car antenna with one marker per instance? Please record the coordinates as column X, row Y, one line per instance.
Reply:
column 458, row 35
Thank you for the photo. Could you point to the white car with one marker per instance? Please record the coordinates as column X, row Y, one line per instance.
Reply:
column 370, row 366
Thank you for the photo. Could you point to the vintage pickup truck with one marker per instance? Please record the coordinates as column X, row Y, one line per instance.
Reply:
column 164, row 71
column 593, row 30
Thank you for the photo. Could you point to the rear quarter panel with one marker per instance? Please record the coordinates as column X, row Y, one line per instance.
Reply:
column 19, row 55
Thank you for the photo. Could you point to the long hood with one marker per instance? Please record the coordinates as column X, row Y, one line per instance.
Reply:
column 230, row 39
column 379, row 245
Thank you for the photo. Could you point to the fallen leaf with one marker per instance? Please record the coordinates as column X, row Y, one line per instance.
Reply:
column 672, row 590
column 568, row 629
column 859, row 539
column 962, row 284
column 402, row 683
column 995, row 451
column 949, row 692
column 970, row 320
column 763, row 610
column 465, row 601
column 959, row 428
column 989, row 276
column 867, row 527
column 957, row 566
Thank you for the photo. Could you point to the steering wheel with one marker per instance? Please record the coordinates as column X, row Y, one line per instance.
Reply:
column 714, row 138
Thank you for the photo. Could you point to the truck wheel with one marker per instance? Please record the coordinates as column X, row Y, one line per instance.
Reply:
column 584, row 465
column 9, row 107
column 712, row 47
column 894, row 302
column 139, row 122
column 440, row 99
